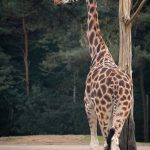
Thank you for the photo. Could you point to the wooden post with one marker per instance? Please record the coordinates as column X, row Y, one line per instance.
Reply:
column 127, row 138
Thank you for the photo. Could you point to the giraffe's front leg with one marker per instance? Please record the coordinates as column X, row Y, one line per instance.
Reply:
column 105, row 145
column 92, row 119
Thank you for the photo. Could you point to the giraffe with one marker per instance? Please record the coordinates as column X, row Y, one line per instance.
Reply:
column 108, row 91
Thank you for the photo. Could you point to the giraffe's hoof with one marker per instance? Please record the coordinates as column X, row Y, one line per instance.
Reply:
column 106, row 148
column 94, row 147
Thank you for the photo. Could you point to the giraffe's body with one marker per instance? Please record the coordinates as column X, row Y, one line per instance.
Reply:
column 108, row 92
column 108, row 99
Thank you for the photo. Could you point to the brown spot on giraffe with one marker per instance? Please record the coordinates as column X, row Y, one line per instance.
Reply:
column 103, row 88
column 93, row 94
column 108, row 72
column 102, row 116
column 125, row 103
column 126, row 92
column 103, row 109
column 121, row 83
column 127, row 85
column 88, row 89
column 96, row 78
column 99, row 93
column 97, row 110
column 98, row 50
column 108, row 105
column 103, row 102
column 110, row 90
column 126, row 114
column 92, row 9
column 91, row 37
column 120, row 91
column 96, row 101
column 89, row 80
column 105, row 128
column 101, row 77
column 107, row 98
column 97, row 85
column 124, row 108
column 96, row 41
column 103, row 47
column 102, row 81
column 120, row 114
column 103, row 70
column 95, row 74
column 109, row 80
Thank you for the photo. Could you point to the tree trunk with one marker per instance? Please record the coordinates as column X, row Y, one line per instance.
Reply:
column 127, row 138
column 125, row 51
column 74, row 87
column 25, row 54
column 147, row 119
column 144, row 101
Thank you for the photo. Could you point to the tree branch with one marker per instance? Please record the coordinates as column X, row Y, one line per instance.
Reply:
column 136, row 3
column 136, row 12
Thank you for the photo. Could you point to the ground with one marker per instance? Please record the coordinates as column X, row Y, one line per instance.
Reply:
column 53, row 142
column 46, row 140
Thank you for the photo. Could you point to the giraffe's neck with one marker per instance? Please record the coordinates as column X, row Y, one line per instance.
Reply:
column 97, row 46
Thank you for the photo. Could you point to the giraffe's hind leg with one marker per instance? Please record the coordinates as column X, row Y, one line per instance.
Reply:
column 92, row 119
column 104, row 119
column 121, row 114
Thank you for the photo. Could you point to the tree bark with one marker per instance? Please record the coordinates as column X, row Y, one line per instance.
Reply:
column 74, row 87
column 25, row 54
column 125, row 51
column 127, row 138
column 147, row 119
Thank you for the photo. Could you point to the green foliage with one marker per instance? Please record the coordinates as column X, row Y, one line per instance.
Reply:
column 71, row 60
column 40, row 114
column 140, row 57
column 6, row 70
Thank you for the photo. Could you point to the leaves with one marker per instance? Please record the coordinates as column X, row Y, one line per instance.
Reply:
column 71, row 59
column 6, row 70
column 140, row 57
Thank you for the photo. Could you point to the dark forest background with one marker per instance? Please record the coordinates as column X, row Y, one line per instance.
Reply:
column 51, row 40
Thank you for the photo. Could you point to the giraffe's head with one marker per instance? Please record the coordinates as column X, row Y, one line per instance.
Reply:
column 61, row 2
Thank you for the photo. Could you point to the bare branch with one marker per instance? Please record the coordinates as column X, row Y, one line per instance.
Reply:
column 136, row 3
column 136, row 12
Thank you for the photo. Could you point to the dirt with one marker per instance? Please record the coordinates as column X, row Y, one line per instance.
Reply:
column 45, row 140
column 51, row 140
column 56, row 147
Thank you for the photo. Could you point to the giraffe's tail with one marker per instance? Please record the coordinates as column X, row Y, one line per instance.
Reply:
column 110, row 135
